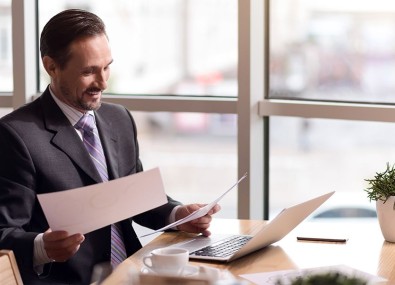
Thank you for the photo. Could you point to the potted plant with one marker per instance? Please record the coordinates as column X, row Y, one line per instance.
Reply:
column 329, row 278
column 382, row 190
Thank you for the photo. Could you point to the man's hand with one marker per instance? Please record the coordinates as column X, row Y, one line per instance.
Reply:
column 199, row 225
column 60, row 246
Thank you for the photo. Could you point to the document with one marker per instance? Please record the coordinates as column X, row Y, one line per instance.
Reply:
column 198, row 213
column 89, row 208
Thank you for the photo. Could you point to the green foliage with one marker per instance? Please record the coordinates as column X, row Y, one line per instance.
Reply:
column 330, row 278
column 382, row 186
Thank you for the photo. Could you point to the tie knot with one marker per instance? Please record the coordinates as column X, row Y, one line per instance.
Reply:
column 86, row 123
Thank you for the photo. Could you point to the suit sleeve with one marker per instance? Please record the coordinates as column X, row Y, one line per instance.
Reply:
column 17, row 196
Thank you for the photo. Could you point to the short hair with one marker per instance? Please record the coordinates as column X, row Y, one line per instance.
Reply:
column 66, row 27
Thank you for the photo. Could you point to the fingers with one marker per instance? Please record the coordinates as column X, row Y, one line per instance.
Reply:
column 188, row 209
column 199, row 225
column 59, row 246
column 202, row 221
column 214, row 210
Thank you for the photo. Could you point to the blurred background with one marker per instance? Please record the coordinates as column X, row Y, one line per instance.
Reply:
column 341, row 51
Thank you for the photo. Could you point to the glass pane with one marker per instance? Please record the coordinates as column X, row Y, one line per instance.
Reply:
column 178, row 47
column 5, row 111
column 318, row 156
column 6, row 77
column 333, row 50
column 195, row 152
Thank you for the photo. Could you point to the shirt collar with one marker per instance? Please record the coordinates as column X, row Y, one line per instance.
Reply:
column 71, row 113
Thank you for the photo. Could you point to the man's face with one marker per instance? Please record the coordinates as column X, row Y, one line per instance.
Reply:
column 81, row 82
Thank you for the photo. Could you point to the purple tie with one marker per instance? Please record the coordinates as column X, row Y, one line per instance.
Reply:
column 92, row 143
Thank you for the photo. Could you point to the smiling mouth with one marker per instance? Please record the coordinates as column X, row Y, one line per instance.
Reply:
column 93, row 93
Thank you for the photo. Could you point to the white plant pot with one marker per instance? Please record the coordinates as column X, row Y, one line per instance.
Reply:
column 386, row 216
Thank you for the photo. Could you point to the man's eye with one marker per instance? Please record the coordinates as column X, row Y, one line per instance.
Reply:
column 87, row 72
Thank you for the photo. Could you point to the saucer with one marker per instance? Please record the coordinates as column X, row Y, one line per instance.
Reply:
column 189, row 270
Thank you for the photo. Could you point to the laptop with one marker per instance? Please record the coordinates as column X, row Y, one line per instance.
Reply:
column 225, row 248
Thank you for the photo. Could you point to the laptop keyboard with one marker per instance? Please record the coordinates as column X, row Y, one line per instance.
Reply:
column 223, row 248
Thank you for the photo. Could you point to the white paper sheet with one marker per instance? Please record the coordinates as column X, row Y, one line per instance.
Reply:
column 287, row 276
column 198, row 213
column 85, row 209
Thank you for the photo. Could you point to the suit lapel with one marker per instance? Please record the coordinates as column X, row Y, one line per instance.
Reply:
column 65, row 136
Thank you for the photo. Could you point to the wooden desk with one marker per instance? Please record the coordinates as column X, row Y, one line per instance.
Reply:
column 365, row 249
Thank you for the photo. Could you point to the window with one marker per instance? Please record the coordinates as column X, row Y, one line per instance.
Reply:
column 323, row 57
column 195, row 152
column 171, row 47
column 213, row 60
column 319, row 156
column 332, row 50
column 6, row 80
column 184, row 50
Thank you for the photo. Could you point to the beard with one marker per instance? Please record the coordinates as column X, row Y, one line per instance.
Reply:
column 79, row 102
column 88, row 106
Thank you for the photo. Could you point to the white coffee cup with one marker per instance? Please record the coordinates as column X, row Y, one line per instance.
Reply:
column 167, row 260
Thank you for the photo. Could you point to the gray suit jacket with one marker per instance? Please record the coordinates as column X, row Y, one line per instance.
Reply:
column 40, row 152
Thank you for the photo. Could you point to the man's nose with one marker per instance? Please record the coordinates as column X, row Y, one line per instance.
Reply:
column 101, row 79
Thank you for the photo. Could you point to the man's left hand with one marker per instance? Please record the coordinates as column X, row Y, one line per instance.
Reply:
column 199, row 225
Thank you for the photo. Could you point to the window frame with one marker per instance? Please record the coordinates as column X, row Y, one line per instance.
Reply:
column 24, row 56
column 252, row 106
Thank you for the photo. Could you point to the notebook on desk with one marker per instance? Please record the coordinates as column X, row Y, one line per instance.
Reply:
column 230, row 247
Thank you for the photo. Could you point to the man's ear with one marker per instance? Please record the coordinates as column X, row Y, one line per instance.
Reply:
column 49, row 65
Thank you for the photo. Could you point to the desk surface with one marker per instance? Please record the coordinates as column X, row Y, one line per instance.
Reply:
column 365, row 250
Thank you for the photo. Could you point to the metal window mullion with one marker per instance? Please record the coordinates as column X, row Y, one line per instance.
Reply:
column 327, row 110
column 252, row 86
column 174, row 104
column 6, row 101
column 24, row 48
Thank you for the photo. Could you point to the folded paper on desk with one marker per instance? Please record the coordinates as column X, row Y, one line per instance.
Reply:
column 287, row 276
column 198, row 213
column 86, row 209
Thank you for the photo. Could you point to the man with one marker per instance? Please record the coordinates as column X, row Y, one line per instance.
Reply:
column 42, row 149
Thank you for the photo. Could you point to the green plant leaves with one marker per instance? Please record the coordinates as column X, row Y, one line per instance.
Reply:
column 331, row 278
column 382, row 186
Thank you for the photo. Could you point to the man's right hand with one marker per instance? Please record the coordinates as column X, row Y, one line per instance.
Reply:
column 59, row 246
